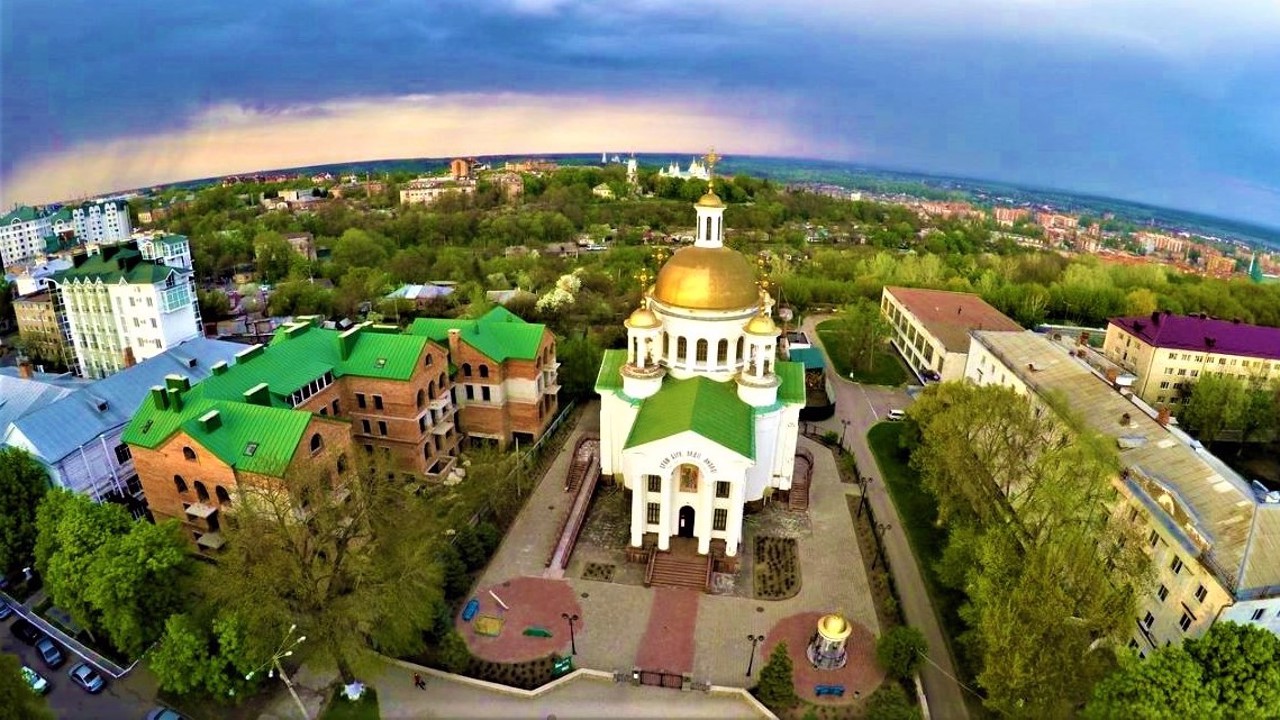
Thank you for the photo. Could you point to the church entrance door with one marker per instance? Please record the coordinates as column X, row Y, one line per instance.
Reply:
column 686, row 522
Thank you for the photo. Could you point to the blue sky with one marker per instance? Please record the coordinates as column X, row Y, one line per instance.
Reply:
column 1174, row 102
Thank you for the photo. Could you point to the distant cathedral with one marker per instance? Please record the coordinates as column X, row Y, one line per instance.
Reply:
column 697, row 171
column 699, row 418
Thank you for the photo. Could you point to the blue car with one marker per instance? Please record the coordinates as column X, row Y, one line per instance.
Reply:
column 88, row 678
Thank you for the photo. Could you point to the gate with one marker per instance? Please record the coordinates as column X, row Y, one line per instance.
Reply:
column 662, row 678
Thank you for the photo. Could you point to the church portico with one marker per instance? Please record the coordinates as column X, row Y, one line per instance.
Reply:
column 694, row 493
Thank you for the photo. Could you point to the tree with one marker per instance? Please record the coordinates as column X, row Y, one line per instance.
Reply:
column 776, row 688
column 864, row 330
column 23, row 483
column 901, row 651
column 213, row 657
column 890, row 702
column 1218, row 403
column 453, row 653
column 272, row 255
column 342, row 549
column 16, row 694
column 214, row 304
column 1241, row 668
column 1168, row 684
column 579, row 358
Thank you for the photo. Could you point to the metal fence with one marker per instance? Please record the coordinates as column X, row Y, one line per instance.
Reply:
column 106, row 666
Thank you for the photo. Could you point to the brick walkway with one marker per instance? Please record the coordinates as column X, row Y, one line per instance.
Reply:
column 532, row 602
column 667, row 644
column 860, row 676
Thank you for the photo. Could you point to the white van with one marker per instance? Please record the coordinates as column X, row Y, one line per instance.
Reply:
column 895, row 415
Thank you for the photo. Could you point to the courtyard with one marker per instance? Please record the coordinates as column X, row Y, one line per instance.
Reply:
column 623, row 625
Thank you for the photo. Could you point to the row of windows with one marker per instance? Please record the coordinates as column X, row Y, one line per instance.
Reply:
column 304, row 393
column 202, row 493
column 719, row 517
column 688, row 483
column 363, row 403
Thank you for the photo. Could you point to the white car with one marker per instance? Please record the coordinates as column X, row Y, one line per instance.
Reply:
column 38, row 684
column 895, row 415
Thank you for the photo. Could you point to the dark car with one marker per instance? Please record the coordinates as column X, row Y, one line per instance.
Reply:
column 50, row 653
column 87, row 677
column 164, row 713
column 25, row 631
column 5, row 610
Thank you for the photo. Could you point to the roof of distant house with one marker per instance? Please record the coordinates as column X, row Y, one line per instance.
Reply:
column 499, row 334
column 951, row 316
column 19, row 395
column 1190, row 332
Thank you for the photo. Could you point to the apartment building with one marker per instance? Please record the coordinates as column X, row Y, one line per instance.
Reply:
column 930, row 328
column 1213, row 537
column 507, row 373
column 1008, row 217
column 121, row 308
column 312, row 395
column 169, row 250
column 1168, row 353
column 425, row 191
column 76, row 435
column 99, row 221
column 45, row 335
column 22, row 234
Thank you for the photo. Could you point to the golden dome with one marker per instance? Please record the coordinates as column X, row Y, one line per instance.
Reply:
column 707, row 278
column 643, row 319
column 834, row 627
column 710, row 200
column 762, row 325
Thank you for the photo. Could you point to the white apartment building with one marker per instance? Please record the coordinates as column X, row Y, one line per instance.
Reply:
column 169, row 250
column 1213, row 537
column 22, row 234
column 424, row 191
column 930, row 328
column 121, row 308
column 103, row 221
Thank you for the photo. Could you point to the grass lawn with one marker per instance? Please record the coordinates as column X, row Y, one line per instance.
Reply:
column 888, row 368
column 919, row 514
column 340, row 708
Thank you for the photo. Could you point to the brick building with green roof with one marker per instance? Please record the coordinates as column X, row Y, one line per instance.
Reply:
column 311, row 394
column 506, row 370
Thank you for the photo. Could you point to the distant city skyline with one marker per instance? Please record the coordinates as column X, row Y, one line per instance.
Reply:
column 1172, row 103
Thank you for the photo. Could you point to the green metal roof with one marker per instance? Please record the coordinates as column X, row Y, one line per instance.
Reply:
column 499, row 334
column 610, row 376
column 298, row 354
column 700, row 405
column 124, row 264
column 791, row 376
column 22, row 213
column 810, row 357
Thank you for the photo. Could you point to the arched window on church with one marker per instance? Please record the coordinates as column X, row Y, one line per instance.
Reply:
column 666, row 345
column 702, row 352
column 722, row 352
column 708, row 232
column 682, row 350
column 740, row 356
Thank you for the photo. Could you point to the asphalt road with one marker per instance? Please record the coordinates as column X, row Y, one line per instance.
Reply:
column 122, row 700
column 863, row 406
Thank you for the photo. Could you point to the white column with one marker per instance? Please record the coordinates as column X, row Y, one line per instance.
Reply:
column 664, row 514
column 733, row 527
column 639, row 516
column 702, row 524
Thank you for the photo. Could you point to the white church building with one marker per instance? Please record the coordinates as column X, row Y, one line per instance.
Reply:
column 699, row 418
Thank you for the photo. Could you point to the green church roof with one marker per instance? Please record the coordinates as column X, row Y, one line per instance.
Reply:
column 706, row 407
column 499, row 334
column 791, row 378
column 610, row 376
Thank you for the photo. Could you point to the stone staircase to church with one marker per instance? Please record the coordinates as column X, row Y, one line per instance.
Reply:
column 801, row 476
column 679, row 570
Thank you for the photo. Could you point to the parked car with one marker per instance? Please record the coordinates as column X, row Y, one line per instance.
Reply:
column 164, row 713
column 25, row 631
column 87, row 677
column 50, row 653
column 931, row 376
column 5, row 610
column 895, row 415
column 34, row 679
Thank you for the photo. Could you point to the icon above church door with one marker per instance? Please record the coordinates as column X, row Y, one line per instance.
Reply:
column 686, row 522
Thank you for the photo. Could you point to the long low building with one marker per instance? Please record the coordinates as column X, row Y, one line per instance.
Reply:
column 930, row 328
column 1213, row 537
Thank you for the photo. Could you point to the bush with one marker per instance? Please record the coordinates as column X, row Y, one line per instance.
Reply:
column 890, row 702
column 777, row 688
column 453, row 653
column 456, row 580
column 831, row 437
column 470, row 548
column 490, row 537
column 901, row 651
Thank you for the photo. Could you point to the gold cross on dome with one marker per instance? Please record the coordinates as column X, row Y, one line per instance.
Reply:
column 712, row 158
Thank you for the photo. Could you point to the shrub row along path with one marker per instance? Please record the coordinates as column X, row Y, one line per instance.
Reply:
column 863, row 407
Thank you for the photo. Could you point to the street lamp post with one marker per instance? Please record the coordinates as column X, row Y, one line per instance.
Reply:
column 755, row 639
column 881, row 529
column 845, row 423
column 573, row 642
column 864, row 483
column 284, row 651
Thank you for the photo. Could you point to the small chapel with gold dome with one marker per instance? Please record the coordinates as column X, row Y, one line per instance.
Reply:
column 699, row 417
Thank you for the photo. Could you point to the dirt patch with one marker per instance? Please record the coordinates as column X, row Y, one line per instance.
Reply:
column 599, row 571
column 777, row 567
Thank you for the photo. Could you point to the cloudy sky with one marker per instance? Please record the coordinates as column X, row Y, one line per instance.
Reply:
column 1173, row 102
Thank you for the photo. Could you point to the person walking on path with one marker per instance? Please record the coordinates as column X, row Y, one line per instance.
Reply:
column 418, row 682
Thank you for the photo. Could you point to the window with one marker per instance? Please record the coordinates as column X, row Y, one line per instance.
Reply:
column 1184, row 622
column 1176, row 565
column 484, row 393
column 471, row 392
column 122, row 453
column 422, row 398
column 1153, row 538
column 368, row 449
column 1133, row 644
column 1201, row 593
column 701, row 349
column 250, row 449
column 426, row 362
column 1164, row 385
column 466, row 369
column 342, row 464
column 364, row 425
column 688, row 478
column 654, row 482
column 653, row 513
column 377, row 402
column 484, row 371
column 179, row 483
column 224, row 498
column 1257, row 614
column 1162, row 593
column 188, row 453
column 360, row 401
column 1147, row 620
column 1133, row 514
column 202, row 493
column 722, row 489
column 719, row 519
column 382, row 427
column 317, row 442
column 422, row 424
column 682, row 350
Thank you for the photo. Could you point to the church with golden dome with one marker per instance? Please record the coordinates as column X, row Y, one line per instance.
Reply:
column 699, row 418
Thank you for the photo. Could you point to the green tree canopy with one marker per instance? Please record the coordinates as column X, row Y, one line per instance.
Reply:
column 901, row 651
column 776, row 688
column 23, row 483
column 16, row 696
